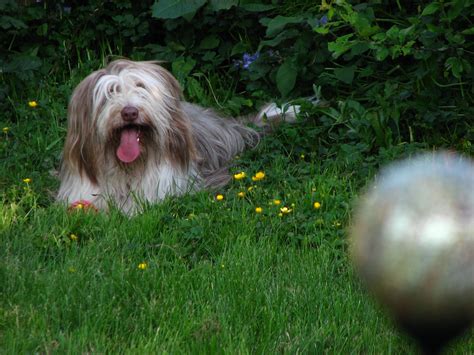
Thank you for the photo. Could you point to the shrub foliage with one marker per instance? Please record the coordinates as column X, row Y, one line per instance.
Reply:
column 389, row 71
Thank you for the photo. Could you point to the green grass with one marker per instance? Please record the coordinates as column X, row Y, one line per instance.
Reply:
column 219, row 277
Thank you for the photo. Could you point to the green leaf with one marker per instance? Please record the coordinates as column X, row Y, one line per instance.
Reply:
column 277, row 24
column 345, row 74
column 286, row 77
column 239, row 48
column 469, row 31
column 256, row 7
column 218, row 5
column 170, row 9
column 279, row 38
column 381, row 53
column 455, row 65
column 455, row 9
column 7, row 22
column 181, row 68
column 194, row 89
column 22, row 63
column 209, row 42
column 340, row 45
column 431, row 9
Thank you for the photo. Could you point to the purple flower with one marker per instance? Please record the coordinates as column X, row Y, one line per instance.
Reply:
column 324, row 20
column 249, row 59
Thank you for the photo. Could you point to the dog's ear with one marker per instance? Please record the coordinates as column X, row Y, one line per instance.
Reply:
column 180, row 141
column 81, row 141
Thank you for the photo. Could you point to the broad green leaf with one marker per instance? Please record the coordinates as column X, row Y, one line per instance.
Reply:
column 170, row 9
column 218, row 5
column 279, row 38
column 286, row 77
column 7, row 22
column 209, row 42
column 455, row 9
column 431, row 9
column 278, row 23
column 22, row 62
column 256, row 7
column 239, row 48
column 359, row 48
column 345, row 74
column 469, row 31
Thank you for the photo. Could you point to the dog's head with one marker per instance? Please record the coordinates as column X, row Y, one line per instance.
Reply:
column 129, row 112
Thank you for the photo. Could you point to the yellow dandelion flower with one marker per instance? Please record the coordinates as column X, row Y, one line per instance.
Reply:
column 142, row 266
column 73, row 237
column 32, row 104
column 219, row 197
column 27, row 180
column 241, row 194
column 5, row 129
column 240, row 175
column 316, row 205
column 285, row 210
column 258, row 210
column 258, row 176
column 276, row 202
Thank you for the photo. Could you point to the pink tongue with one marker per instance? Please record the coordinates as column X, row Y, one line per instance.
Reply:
column 129, row 148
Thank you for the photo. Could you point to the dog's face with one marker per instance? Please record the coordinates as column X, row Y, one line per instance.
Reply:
column 129, row 112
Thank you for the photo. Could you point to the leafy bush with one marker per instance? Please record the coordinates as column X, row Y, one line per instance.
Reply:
column 391, row 72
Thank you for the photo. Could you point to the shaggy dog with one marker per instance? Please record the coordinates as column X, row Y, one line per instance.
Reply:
column 132, row 139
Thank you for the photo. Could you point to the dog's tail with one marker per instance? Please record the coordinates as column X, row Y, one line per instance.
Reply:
column 273, row 114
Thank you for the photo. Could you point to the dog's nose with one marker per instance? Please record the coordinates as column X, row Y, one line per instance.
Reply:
column 129, row 113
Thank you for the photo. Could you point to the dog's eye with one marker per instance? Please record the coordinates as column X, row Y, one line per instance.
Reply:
column 114, row 89
column 140, row 85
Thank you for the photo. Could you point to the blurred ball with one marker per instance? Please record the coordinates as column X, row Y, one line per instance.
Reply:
column 413, row 242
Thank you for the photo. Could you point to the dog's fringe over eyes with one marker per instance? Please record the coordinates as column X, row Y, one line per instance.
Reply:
column 131, row 137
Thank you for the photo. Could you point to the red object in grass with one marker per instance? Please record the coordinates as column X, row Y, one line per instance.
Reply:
column 83, row 205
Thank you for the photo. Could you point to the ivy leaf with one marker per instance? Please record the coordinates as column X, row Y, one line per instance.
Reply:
column 345, row 74
column 171, row 9
column 286, row 77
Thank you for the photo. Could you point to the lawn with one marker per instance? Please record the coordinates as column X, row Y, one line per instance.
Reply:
column 194, row 274
column 264, row 267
